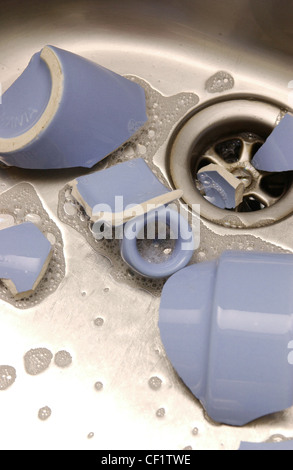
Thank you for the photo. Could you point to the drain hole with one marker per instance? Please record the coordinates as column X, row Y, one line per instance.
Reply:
column 250, row 204
column 228, row 134
column 274, row 184
column 202, row 163
column 230, row 150
column 256, row 148
column 235, row 153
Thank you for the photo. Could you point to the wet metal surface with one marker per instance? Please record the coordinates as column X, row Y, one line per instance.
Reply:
column 120, row 390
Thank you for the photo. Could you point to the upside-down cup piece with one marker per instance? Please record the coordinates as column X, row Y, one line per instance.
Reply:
column 227, row 328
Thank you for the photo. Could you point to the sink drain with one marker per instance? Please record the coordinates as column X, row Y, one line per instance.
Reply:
column 229, row 134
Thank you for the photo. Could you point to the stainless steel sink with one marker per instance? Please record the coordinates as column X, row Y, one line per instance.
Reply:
column 121, row 392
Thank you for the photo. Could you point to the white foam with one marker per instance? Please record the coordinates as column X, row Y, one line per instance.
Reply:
column 220, row 82
column 37, row 360
column 7, row 376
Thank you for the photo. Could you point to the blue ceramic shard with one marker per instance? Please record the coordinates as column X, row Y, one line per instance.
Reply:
column 276, row 155
column 285, row 445
column 121, row 192
column 24, row 257
column 66, row 111
column 181, row 254
column 226, row 326
column 221, row 188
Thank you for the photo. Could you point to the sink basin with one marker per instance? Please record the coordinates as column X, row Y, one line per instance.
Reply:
column 120, row 391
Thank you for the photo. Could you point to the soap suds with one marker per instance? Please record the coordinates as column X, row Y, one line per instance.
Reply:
column 7, row 376
column 37, row 360
column 63, row 359
column 44, row 413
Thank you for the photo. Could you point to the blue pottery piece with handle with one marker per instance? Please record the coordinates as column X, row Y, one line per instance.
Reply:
column 182, row 252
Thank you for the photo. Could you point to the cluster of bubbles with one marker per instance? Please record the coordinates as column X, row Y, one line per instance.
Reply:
column 160, row 413
column 281, row 116
column 213, row 245
column 155, row 383
column 38, row 360
column 220, row 82
column 44, row 413
column 7, row 377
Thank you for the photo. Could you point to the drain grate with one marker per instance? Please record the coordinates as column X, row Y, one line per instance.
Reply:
column 229, row 150
column 262, row 190
column 229, row 134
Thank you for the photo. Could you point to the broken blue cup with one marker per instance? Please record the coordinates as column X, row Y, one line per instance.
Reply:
column 65, row 111
column 25, row 254
column 221, row 188
column 227, row 327
column 130, row 196
column 181, row 254
column 276, row 155
column 121, row 192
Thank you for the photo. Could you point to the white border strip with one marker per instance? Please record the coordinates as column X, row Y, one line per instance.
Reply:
column 17, row 143
column 117, row 218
